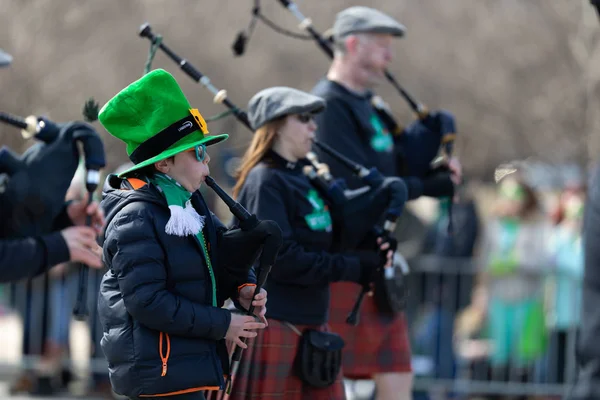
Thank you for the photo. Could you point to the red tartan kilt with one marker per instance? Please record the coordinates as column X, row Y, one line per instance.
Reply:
column 266, row 369
column 378, row 344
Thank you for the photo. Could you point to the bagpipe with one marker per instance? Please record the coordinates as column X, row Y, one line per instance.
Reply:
column 35, row 184
column 357, row 214
column 389, row 282
column 265, row 233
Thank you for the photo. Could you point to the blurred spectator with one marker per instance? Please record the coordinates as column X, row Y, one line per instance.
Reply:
column 515, row 260
column 564, row 311
column 455, row 280
column 461, row 242
column 444, row 292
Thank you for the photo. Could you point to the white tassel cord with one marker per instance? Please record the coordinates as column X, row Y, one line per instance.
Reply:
column 184, row 222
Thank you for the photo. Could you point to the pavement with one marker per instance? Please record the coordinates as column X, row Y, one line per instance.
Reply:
column 11, row 337
column 4, row 394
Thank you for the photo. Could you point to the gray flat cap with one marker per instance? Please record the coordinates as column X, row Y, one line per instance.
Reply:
column 361, row 19
column 272, row 103
column 5, row 59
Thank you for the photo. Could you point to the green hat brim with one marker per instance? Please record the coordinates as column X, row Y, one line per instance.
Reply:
column 206, row 140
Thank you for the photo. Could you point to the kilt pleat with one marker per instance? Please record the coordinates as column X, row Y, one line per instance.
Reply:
column 379, row 344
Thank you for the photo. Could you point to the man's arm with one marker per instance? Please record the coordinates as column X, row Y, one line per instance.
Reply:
column 337, row 128
column 28, row 257
column 417, row 147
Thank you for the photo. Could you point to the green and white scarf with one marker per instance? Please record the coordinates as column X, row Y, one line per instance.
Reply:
column 184, row 220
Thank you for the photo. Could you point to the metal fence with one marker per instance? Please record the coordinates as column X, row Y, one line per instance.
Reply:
column 449, row 363
column 38, row 312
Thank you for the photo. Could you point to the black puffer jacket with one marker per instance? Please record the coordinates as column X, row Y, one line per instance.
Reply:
column 161, row 333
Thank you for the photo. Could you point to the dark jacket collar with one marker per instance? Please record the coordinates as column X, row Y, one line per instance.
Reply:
column 274, row 160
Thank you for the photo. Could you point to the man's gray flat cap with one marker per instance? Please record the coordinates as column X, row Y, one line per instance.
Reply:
column 360, row 19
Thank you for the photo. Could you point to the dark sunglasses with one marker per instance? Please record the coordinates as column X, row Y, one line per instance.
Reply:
column 305, row 118
column 200, row 152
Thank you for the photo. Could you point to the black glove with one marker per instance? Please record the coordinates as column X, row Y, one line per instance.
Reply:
column 438, row 184
column 392, row 241
column 370, row 261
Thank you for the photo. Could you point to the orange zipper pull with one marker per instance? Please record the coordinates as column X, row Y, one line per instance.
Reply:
column 165, row 358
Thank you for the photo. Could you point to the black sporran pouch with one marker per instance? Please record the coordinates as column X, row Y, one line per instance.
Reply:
column 319, row 357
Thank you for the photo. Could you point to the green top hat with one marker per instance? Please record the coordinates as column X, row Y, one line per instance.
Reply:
column 154, row 119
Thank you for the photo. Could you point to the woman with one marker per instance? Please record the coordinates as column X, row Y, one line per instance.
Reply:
column 160, row 301
column 272, row 185
column 516, row 263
